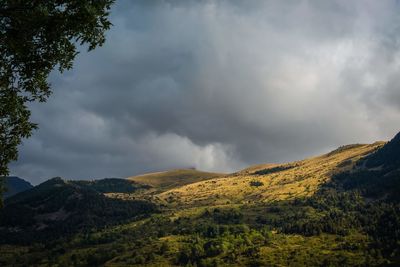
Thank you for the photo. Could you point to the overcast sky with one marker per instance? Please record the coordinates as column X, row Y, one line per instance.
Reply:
column 219, row 85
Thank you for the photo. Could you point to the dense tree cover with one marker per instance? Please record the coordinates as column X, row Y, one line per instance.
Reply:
column 112, row 185
column 201, row 241
column 36, row 37
column 388, row 155
column 274, row 169
column 59, row 208
column 2, row 189
column 364, row 201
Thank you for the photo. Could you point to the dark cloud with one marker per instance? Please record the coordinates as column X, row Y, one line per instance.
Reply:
column 218, row 86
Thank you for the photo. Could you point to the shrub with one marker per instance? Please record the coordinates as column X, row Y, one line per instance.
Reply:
column 256, row 183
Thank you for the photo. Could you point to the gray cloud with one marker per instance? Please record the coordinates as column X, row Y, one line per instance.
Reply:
column 219, row 85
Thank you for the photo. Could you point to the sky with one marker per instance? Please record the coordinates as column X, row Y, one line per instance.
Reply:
column 218, row 86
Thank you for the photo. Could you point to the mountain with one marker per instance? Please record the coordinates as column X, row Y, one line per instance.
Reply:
column 387, row 157
column 337, row 209
column 59, row 207
column 15, row 185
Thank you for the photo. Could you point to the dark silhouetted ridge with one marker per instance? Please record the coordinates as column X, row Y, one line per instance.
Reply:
column 388, row 156
column 59, row 207
column 15, row 185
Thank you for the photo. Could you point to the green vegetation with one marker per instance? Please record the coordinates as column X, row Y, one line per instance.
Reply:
column 351, row 218
column 59, row 208
column 273, row 169
column 203, row 240
column 388, row 155
column 173, row 178
column 2, row 189
column 256, row 183
column 111, row 185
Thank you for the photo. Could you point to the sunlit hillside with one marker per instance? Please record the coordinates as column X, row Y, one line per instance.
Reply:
column 264, row 183
column 173, row 178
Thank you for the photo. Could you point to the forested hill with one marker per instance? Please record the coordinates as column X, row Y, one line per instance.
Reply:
column 15, row 185
column 58, row 208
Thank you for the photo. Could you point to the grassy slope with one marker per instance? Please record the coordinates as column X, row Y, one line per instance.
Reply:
column 173, row 178
column 300, row 179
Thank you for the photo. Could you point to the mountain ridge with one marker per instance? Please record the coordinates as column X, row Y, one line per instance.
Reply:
column 15, row 185
column 60, row 207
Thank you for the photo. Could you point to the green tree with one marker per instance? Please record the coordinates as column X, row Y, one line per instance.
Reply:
column 35, row 38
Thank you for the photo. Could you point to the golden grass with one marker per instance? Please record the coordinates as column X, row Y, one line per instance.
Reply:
column 173, row 178
column 302, row 180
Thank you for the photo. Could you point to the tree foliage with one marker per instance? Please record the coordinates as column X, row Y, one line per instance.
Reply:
column 35, row 38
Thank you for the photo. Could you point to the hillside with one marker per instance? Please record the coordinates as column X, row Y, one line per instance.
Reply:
column 337, row 209
column 173, row 178
column 265, row 183
column 387, row 157
column 58, row 208
column 256, row 184
column 15, row 185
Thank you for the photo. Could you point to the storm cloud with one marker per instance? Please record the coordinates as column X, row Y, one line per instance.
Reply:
column 219, row 85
